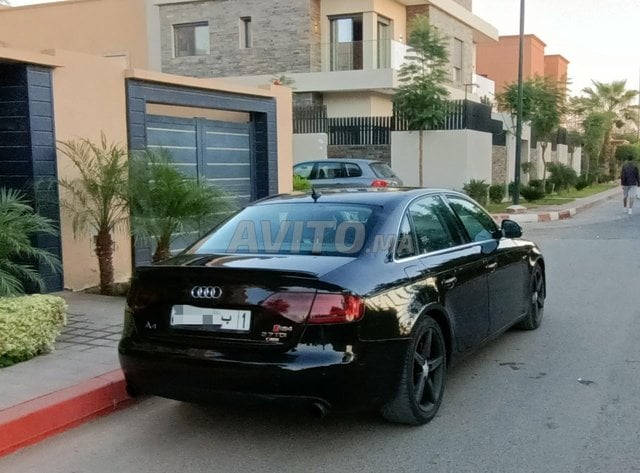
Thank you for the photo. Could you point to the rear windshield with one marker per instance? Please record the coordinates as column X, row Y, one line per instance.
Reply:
column 303, row 228
column 382, row 170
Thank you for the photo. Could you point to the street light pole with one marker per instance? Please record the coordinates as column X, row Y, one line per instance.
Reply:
column 516, row 180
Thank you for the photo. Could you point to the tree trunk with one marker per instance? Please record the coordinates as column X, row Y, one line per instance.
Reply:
column 104, row 252
column 163, row 249
column 606, row 152
column 544, row 166
column 420, row 158
column 587, row 164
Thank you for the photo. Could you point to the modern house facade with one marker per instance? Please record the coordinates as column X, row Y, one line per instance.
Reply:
column 499, row 61
column 344, row 55
column 236, row 137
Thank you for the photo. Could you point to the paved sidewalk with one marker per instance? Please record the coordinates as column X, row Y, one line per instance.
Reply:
column 80, row 379
column 561, row 212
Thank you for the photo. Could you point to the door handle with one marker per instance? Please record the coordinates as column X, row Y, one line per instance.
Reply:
column 449, row 282
column 491, row 266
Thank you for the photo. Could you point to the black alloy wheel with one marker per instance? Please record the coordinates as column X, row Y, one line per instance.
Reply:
column 421, row 387
column 537, row 296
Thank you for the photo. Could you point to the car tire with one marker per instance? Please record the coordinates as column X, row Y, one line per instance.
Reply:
column 537, row 295
column 419, row 392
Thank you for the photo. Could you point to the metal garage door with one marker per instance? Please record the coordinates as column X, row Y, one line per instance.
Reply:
column 218, row 152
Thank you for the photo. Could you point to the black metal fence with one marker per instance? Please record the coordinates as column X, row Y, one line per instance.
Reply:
column 459, row 115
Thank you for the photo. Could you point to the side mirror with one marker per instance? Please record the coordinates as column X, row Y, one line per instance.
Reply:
column 511, row 229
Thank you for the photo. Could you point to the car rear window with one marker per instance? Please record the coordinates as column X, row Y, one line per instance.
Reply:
column 382, row 170
column 304, row 228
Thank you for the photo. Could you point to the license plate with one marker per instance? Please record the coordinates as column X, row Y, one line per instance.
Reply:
column 213, row 319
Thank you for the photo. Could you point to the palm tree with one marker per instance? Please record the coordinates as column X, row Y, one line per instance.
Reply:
column 543, row 108
column 18, row 223
column 614, row 101
column 97, row 197
column 165, row 203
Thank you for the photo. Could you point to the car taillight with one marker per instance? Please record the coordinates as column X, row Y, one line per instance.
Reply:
column 336, row 309
column 323, row 309
column 379, row 183
column 140, row 298
column 294, row 306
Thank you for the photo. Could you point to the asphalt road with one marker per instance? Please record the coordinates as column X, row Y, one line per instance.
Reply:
column 564, row 398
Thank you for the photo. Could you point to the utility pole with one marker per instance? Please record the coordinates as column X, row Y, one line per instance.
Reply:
column 516, row 180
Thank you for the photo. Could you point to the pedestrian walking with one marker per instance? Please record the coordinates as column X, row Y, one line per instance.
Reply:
column 630, row 180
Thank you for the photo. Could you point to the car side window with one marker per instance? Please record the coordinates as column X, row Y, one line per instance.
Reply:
column 330, row 170
column 431, row 226
column 478, row 223
column 353, row 170
column 405, row 246
column 303, row 170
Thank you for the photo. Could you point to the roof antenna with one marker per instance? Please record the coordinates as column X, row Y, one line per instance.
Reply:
column 315, row 195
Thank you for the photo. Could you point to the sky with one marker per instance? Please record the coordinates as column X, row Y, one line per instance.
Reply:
column 600, row 38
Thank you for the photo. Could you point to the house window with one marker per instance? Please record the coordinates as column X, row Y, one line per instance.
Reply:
column 246, row 39
column 346, row 43
column 191, row 39
column 384, row 42
column 456, row 59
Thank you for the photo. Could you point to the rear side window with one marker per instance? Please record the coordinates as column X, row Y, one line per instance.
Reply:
column 303, row 170
column 382, row 170
column 405, row 246
column 478, row 223
column 330, row 170
column 353, row 170
column 432, row 225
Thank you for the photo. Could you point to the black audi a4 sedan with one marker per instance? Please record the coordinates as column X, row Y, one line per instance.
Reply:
column 346, row 300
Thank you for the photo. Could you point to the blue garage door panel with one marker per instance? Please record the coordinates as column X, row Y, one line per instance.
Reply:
column 219, row 152
column 227, row 158
column 178, row 137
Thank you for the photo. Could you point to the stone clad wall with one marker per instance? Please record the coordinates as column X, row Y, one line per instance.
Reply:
column 377, row 152
column 283, row 36
column 499, row 165
column 450, row 28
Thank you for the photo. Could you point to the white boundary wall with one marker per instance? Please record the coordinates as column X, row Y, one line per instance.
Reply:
column 450, row 158
column 309, row 146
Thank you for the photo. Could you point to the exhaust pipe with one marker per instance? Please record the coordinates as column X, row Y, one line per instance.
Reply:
column 318, row 409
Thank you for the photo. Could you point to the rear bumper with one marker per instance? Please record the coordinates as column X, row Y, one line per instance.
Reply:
column 359, row 378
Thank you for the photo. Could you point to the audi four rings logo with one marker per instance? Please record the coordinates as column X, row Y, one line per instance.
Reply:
column 206, row 292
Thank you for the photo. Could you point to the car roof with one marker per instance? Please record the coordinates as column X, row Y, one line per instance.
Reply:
column 341, row 160
column 363, row 195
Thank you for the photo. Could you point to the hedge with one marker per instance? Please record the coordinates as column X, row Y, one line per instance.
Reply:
column 29, row 326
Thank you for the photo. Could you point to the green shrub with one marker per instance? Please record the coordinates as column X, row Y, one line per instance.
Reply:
column 531, row 194
column 477, row 190
column 562, row 176
column 581, row 183
column 19, row 224
column 496, row 193
column 537, row 183
column 622, row 151
column 29, row 326
column 510, row 188
column 300, row 183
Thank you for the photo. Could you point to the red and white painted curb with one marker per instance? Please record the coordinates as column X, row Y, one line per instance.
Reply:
column 537, row 217
column 560, row 214
column 32, row 421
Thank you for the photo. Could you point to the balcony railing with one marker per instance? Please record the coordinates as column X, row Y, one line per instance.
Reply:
column 358, row 55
